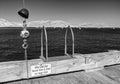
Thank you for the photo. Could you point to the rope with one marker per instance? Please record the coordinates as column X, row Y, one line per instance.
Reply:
column 26, row 63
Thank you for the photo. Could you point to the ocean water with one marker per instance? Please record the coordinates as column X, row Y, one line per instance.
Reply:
column 87, row 40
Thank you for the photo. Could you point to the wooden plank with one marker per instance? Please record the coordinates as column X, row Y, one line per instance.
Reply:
column 109, row 75
column 15, row 70
column 12, row 71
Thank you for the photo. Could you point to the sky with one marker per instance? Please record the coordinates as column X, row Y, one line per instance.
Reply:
column 78, row 12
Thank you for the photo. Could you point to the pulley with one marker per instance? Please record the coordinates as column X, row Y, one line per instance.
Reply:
column 24, row 13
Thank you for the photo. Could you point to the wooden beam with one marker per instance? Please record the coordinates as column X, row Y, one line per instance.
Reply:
column 16, row 70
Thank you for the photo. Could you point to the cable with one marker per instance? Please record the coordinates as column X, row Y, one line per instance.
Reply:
column 23, row 3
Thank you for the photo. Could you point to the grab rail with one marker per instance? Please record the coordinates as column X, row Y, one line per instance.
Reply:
column 46, row 43
column 73, row 46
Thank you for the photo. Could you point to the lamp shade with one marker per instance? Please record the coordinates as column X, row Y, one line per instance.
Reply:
column 24, row 13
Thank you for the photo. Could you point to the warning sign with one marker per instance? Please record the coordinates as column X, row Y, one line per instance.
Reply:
column 40, row 69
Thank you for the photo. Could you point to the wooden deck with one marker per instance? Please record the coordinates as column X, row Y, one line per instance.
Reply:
column 86, row 65
column 109, row 75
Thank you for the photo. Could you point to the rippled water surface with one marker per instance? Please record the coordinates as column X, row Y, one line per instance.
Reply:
column 86, row 41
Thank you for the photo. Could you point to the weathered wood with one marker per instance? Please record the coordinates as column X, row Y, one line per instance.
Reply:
column 109, row 75
column 12, row 71
column 16, row 70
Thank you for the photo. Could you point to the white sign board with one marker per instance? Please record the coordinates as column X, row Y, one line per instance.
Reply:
column 40, row 69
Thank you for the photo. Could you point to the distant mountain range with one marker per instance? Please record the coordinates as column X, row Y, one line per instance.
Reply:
column 5, row 23
column 48, row 23
column 94, row 25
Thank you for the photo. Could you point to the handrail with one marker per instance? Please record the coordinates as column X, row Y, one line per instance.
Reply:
column 46, row 43
column 73, row 46
column 41, row 42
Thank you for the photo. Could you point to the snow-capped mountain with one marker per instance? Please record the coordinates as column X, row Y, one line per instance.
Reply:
column 95, row 25
column 5, row 23
column 46, row 23
column 49, row 23
column 91, row 25
column 16, row 24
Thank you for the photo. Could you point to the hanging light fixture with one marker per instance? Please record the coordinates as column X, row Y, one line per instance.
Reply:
column 24, row 13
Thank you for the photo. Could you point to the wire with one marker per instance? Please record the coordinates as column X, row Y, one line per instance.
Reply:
column 24, row 3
